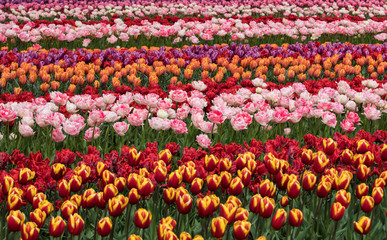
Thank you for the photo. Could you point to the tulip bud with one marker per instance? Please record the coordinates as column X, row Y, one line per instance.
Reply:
column 362, row 172
column 185, row 236
column 343, row 197
column 241, row 229
column 169, row 195
column 166, row 156
column 58, row 170
column 295, row 217
column 284, row 201
column 30, row 231
column 133, row 180
column 362, row 146
column 184, row 203
column 254, row 203
column 218, row 227
column 83, row 171
column 104, row 226
column 120, row 184
column 306, row 156
column 75, row 224
column 7, row 184
column 272, row 165
column 131, row 155
column 57, row 226
column 228, row 212
column 210, row 162
column 109, row 192
column 68, row 208
column 362, row 226
column 134, row 237
column 133, row 196
column 101, row 167
column 117, row 205
column 241, row 214
column 75, row 183
column 174, row 179
column 64, row 188
column 142, row 218
column 145, row 186
column 361, row 190
column 100, row 201
column 293, row 189
column 369, row 159
column 377, row 195
column 320, row 161
column 367, row 203
column 30, row 193
column 38, row 217
column 77, row 199
column 329, row 146
column 15, row 220
column 379, row 182
column 213, row 182
column 225, row 179
column 347, row 157
column 279, row 219
column 245, row 176
column 108, row 177
column 224, row 165
column 337, row 211
column 309, row 181
column 236, row 186
column 234, row 201
column 383, row 152
column 205, row 206
column 14, row 202
column 26, row 175
column 267, row 188
column 160, row 174
column 323, row 189
column 266, row 207
column 196, row 186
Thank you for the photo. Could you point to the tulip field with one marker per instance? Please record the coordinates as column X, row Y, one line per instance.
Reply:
column 204, row 119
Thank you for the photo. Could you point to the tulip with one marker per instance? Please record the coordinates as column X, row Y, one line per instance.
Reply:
column 14, row 202
column 377, row 195
column 218, row 227
column 329, row 146
column 361, row 190
column 160, row 173
column 234, row 201
column 188, row 173
column 241, row 229
column 362, row 172
column 282, row 182
column 100, row 201
column 347, row 157
column 57, row 226
column 205, row 206
column 343, row 197
column 142, row 218
column 15, row 220
column 196, row 186
column 58, row 170
column 323, row 189
column 279, row 219
column 75, row 183
column 224, row 165
column 308, row 181
column 362, row 226
column 245, row 176
column 295, row 217
column 30, row 231
column 213, row 182
column 174, row 179
column 369, row 159
column 170, row 221
column 320, row 161
column 284, row 201
column 109, row 192
column 37, row 199
column 133, row 180
column 104, row 226
column 383, row 152
column 108, row 177
column 134, row 237
column 83, row 171
column 185, row 236
column 241, row 214
column 46, row 206
column 210, row 162
column 198, row 237
column 236, row 186
column 228, row 212
column 266, row 207
column 68, row 208
column 7, row 184
column 133, row 196
column 367, row 203
column 272, row 165
column 30, row 193
column 75, row 224
column 306, row 156
column 145, row 186
column 89, row 198
column 169, row 195
column 117, row 205
column 26, row 175
column 131, row 155
column 337, row 211
column 77, row 199
column 63, row 188
column 101, row 167
column 254, row 203
column 165, row 156
column 225, row 179
column 267, row 188
column 38, row 216
column 362, row 146
column 184, row 203
column 293, row 189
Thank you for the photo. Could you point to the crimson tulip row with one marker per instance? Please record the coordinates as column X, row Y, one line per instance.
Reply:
column 238, row 187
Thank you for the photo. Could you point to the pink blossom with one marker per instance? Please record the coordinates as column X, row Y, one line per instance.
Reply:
column 179, row 127
column 280, row 115
column 347, row 126
column 178, row 95
column 216, row 117
column 7, row 115
column 135, row 120
column 121, row 128
column 59, row 98
column 203, row 140
column 57, row 135
column 25, row 130
column 72, row 128
column 109, row 98
column 329, row 119
column 92, row 134
column 97, row 116
column 353, row 117
column 263, row 117
column 372, row 113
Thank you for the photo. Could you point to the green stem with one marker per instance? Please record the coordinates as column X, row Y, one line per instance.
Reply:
column 112, row 232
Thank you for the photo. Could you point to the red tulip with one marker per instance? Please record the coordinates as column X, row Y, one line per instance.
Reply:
column 377, row 195
column 361, row 190
column 26, row 175
column 241, row 214
column 225, row 179
column 169, row 195
column 241, row 229
column 309, row 181
column 306, row 156
column 15, row 220
column 228, row 212
column 362, row 146
column 142, row 218
column 30, row 193
column 160, row 174
column 30, row 231
column 133, row 196
column 367, row 203
column 254, row 203
column 64, row 188
column 68, row 208
column 337, row 211
column 196, row 186
column 213, row 182
column 184, row 203
column 236, row 186
column 104, row 226
column 363, row 172
column 117, row 205
column 75, row 224
column 362, row 226
column 295, row 217
column 166, row 156
column 343, row 197
column 205, row 207
column 284, row 201
column 210, row 162
column 57, row 171
column 329, row 146
column 293, row 189
column 57, row 226
column 266, row 207
column 279, row 219
column 218, row 227
column 38, row 216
